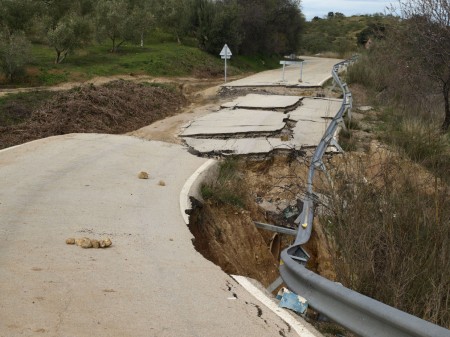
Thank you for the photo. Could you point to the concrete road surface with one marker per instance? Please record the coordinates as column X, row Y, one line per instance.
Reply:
column 316, row 71
column 150, row 282
column 255, row 101
column 228, row 121
column 254, row 132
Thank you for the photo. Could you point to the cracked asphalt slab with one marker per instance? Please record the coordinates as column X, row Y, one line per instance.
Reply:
column 238, row 146
column 263, row 102
column 256, row 132
column 232, row 122
column 150, row 282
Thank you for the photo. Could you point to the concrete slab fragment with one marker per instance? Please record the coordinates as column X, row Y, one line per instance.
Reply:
column 238, row 145
column 309, row 133
column 235, row 122
column 316, row 109
column 263, row 102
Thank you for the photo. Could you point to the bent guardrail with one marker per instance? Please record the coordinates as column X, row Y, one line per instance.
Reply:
column 358, row 313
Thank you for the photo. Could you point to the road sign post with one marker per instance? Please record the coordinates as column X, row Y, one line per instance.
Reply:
column 226, row 55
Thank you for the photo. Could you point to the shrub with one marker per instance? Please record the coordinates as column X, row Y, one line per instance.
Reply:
column 390, row 221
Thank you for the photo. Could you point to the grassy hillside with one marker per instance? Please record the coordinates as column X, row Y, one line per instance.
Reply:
column 337, row 34
column 155, row 59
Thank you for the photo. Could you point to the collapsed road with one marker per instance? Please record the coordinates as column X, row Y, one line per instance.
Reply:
column 151, row 281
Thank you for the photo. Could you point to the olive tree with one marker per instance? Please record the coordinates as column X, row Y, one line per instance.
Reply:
column 14, row 53
column 124, row 20
column 69, row 33
column 67, row 25
column 174, row 16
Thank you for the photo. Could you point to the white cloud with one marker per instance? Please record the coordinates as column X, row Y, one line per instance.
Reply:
column 312, row 8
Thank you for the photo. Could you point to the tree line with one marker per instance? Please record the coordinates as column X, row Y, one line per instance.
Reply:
column 248, row 26
column 413, row 49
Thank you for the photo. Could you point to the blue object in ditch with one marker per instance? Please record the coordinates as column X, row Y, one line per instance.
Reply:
column 292, row 301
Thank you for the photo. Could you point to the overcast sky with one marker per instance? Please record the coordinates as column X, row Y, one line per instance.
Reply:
column 320, row 8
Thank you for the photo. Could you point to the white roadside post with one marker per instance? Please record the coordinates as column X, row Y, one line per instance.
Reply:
column 226, row 55
column 301, row 72
column 284, row 67
column 287, row 63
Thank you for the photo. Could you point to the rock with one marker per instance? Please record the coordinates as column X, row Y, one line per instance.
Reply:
column 105, row 243
column 365, row 108
column 90, row 243
column 143, row 175
column 161, row 183
column 70, row 241
column 80, row 241
column 86, row 243
column 290, row 211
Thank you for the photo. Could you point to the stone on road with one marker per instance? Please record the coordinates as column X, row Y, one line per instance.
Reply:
column 150, row 282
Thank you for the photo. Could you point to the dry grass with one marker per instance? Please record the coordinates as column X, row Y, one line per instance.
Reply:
column 229, row 187
column 390, row 222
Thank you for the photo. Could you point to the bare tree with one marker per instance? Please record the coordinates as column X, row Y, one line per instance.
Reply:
column 424, row 44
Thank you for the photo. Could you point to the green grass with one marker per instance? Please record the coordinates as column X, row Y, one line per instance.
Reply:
column 161, row 56
column 164, row 59
column 229, row 188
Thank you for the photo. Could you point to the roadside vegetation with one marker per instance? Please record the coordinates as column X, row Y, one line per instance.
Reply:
column 229, row 187
column 388, row 206
column 389, row 219
column 341, row 36
column 17, row 108
column 45, row 42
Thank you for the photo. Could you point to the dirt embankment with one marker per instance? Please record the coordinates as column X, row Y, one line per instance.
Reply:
column 116, row 107
column 227, row 235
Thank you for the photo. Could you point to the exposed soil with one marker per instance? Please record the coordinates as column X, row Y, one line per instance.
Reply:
column 275, row 185
column 116, row 107
column 227, row 236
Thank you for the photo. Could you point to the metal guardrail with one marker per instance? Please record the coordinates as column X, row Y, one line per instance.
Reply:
column 358, row 313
